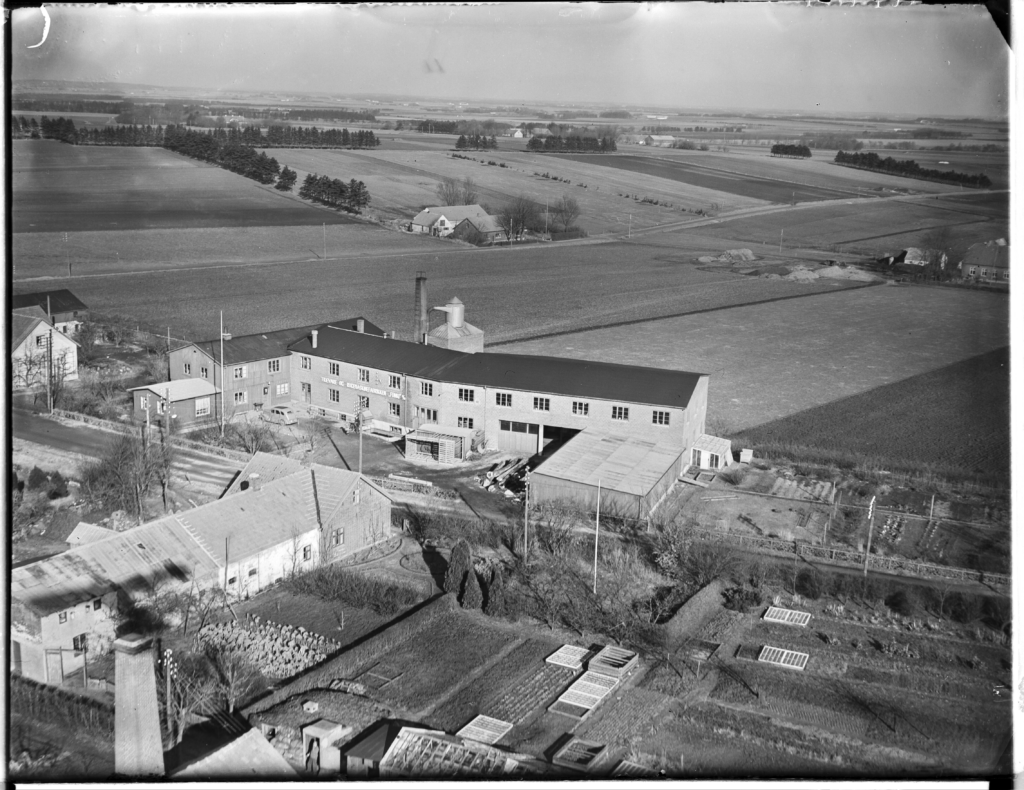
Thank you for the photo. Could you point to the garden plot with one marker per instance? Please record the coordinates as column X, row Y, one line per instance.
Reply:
column 518, row 704
column 485, row 730
column 439, row 657
column 586, row 693
column 629, row 715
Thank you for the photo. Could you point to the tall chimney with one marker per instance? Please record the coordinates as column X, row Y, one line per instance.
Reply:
column 314, row 338
column 254, row 481
column 360, row 325
column 422, row 321
column 138, row 749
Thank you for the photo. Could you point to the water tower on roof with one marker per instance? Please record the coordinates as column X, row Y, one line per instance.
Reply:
column 455, row 333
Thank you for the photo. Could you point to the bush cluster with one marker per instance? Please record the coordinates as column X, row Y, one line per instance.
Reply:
column 335, row 583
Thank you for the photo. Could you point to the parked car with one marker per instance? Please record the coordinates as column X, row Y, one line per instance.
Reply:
column 280, row 415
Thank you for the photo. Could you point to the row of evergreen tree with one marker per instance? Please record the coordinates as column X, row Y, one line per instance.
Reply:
column 784, row 149
column 301, row 137
column 909, row 168
column 335, row 193
column 69, row 105
column 573, row 143
column 236, row 157
column 478, row 141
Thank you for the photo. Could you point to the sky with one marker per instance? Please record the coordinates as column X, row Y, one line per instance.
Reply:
column 903, row 59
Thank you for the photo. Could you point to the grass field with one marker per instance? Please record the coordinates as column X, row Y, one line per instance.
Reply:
column 768, row 361
column 957, row 416
column 869, row 226
column 509, row 293
column 699, row 174
column 59, row 187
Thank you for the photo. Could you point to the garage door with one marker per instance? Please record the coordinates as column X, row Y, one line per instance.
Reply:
column 518, row 437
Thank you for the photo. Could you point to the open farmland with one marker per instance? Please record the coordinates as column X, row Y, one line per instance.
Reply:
column 954, row 417
column 403, row 181
column 59, row 187
column 869, row 226
column 768, row 361
column 698, row 174
column 994, row 164
column 510, row 293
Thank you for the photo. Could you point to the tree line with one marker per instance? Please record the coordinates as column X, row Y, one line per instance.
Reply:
column 476, row 141
column 784, row 149
column 236, row 157
column 573, row 143
column 834, row 142
column 910, row 169
column 335, row 193
column 277, row 114
column 69, row 105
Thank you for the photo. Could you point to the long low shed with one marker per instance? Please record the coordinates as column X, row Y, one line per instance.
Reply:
column 634, row 474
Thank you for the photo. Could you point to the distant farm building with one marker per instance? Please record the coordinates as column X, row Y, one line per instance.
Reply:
column 659, row 140
column 442, row 220
column 67, row 311
column 989, row 261
column 479, row 230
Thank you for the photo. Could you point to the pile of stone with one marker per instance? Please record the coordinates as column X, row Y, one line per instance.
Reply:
column 279, row 651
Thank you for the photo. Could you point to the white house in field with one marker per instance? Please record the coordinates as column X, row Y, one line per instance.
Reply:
column 32, row 336
column 442, row 220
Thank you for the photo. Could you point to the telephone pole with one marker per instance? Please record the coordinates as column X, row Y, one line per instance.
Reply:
column 781, row 232
column 221, row 373
column 871, row 527
column 325, row 241
column 597, row 532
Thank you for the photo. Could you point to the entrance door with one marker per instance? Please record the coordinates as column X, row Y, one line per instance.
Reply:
column 307, row 392
column 54, row 667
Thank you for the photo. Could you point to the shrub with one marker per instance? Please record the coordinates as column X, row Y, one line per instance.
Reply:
column 742, row 599
column 333, row 582
column 809, row 584
column 37, row 479
column 903, row 601
column 458, row 568
column 472, row 595
column 58, row 486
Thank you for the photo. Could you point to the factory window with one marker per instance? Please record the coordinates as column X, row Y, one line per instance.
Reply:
column 334, row 368
column 427, row 415
column 337, row 537
column 364, row 401
column 503, row 398
column 334, row 395
column 204, row 372
column 395, row 409
column 307, row 553
column 660, row 418
column 620, row 413
column 188, row 369
column 240, row 372
column 252, row 572
column 97, row 604
column 364, row 374
column 465, row 422
column 426, row 388
column 395, row 383
column 274, row 366
column 202, row 407
column 466, row 394
column 305, row 363
column 542, row 404
column 241, row 397
column 581, row 408
column 62, row 617
column 282, row 389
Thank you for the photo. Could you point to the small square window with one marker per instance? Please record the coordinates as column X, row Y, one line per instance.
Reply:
column 337, row 537
column 240, row 372
column 395, row 383
column 334, row 368
column 274, row 366
column 232, row 580
column 40, row 341
column 395, row 409
column 252, row 572
column 79, row 643
column 503, row 399
column 364, row 401
column 62, row 617
column 542, row 404
column 282, row 389
column 426, row 388
column 204, row 372
column 620, row 413
column 241, row 397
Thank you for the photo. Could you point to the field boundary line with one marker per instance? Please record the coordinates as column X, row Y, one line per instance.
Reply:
column 634, row 321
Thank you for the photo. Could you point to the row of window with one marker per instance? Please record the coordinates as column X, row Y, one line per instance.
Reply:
column 63, row 616
column 984, row 272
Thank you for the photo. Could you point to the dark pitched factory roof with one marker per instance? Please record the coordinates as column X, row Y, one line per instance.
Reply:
column 268, row 345
column 61, row 301
column 546, row 375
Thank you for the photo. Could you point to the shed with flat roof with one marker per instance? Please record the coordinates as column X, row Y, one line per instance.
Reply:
column 634, row 474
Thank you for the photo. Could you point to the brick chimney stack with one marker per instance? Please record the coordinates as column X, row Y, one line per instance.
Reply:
column 138, row 746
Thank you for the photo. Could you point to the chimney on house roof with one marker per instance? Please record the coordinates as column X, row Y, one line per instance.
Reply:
column 254, row 481
column 314, row 338
column 360, row 325
column 138, row 748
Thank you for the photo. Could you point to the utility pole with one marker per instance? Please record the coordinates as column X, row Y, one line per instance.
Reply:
column 831, row 515
column 49, row 359
column 526, row 517
column 781, row 232
column 359, row 427
column 67, row 256
column 597, row 532
column 871, row 527
column 221, row 384
column 168, row 353
column 629, row 228
column 325, row 241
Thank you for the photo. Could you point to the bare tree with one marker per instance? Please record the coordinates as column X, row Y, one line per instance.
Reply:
column 254, row 435
column 126, row 472
column 188, row 688
column 566, row 211
column 468, row 193
column 235, row 676
column 516, row 216
column 451, row 192
column 315, row 431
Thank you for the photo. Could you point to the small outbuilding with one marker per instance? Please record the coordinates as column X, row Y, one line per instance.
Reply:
column 633, row 474
column 181, row 402
column 436, row 443
column 711, row 452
